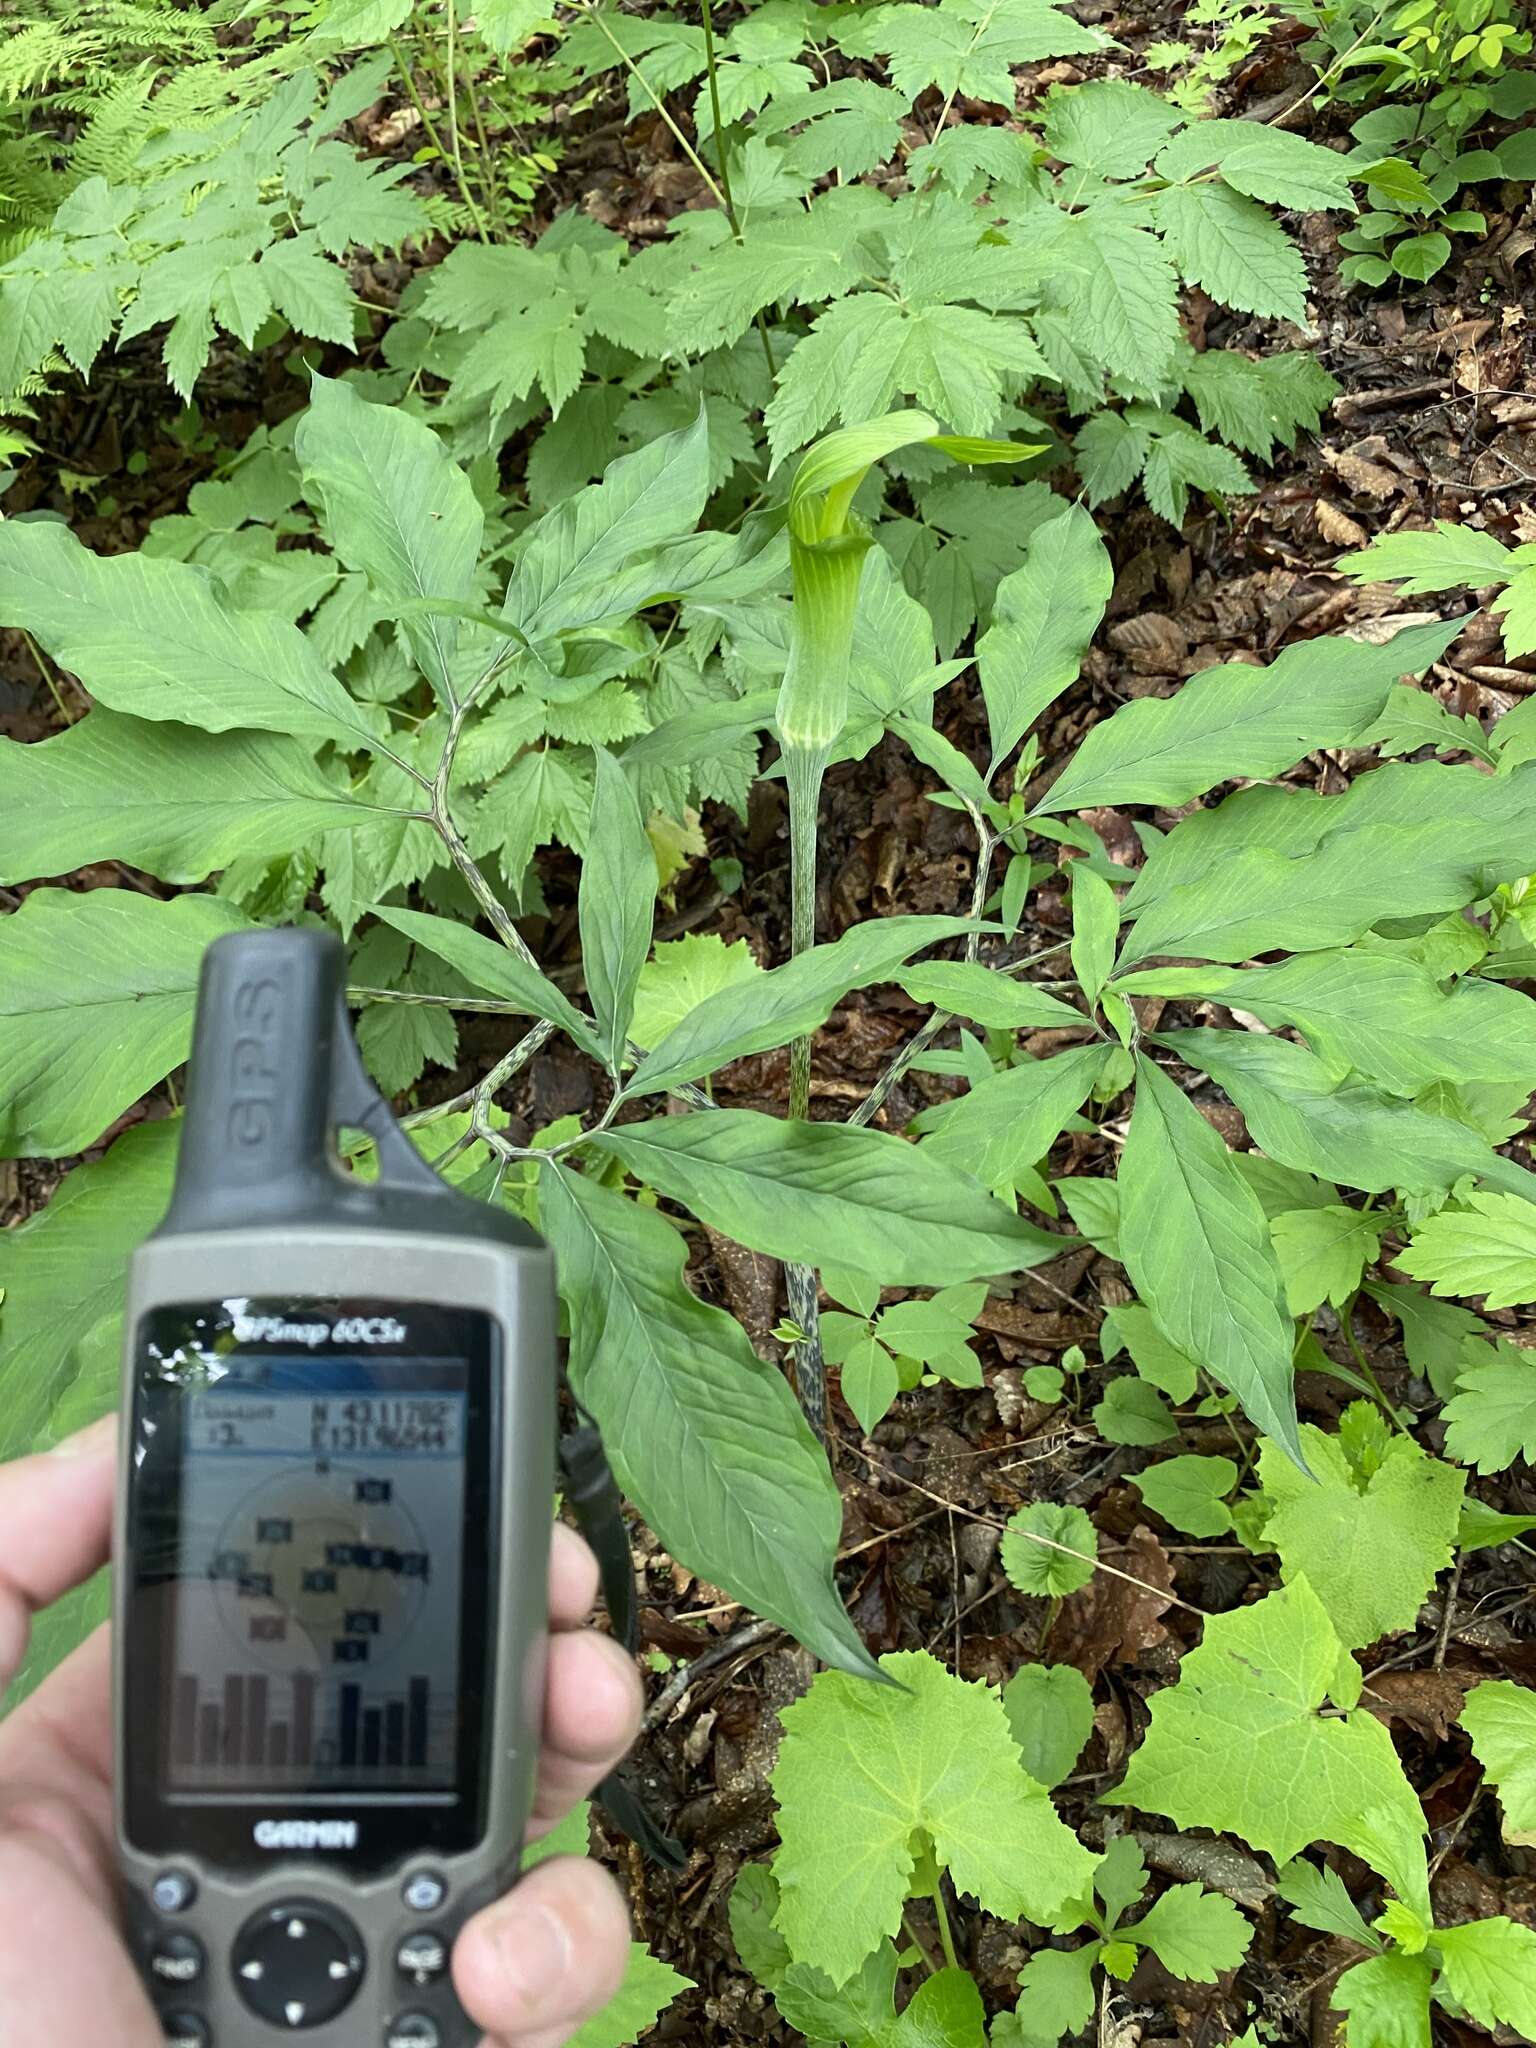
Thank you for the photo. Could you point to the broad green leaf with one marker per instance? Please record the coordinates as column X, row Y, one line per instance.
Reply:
column 1485, row 1246
column 867, row 1376
column 1483, row 1528
column 1267, row 163
column 1095, row 929
column 1108, row 126
column 861, row 1772
column 1050, row 1716
column 1238, row 1744
column 1190, row 1493
column 644, row 500
column 1057, row 1998
column 1517, row 607
column 1000, row 1002
column 1130, row 1326
column 1317, row 1896
column 1387, row 1999
column 1242, row 721
column 760, row 1947
column 1443, row 557
column 861, row 2012
column 158, row 639
column 1322, row 1253
column 616, row 904
column 1298, row 1110
column 165, row 798
column 1234, row 249
column 1490, row 1968
column 788, row 1001
column 1500, row 1717
column 968, row 49
column 1195, row 1934
column 1044, row 615
column 946, row 2012
column 1131, row 1412
column 1492, row 1420
column 1049, row 1549
column 1196, row 1244
column 799, row 1190
column 1094, row 1206
column 680, row 974
column 495, row 969
column 705, row 1439
column 1010, row 1121
column 1371, row 1549
column 63, row 1273
column 96, row 999
column 1385, row 1015
column 396, row 506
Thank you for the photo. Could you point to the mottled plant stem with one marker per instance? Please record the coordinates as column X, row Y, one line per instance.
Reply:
column 803, row 770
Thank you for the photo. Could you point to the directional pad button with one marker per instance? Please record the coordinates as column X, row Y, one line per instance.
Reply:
column 298, row 1964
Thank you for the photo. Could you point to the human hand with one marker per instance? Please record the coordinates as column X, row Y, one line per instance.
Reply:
column 529, row 1969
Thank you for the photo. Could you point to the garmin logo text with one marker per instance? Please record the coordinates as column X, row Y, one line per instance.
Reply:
column 306, row 1834
column 346, row 1330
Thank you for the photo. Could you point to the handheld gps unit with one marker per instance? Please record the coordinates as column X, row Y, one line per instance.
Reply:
column 336, row 1491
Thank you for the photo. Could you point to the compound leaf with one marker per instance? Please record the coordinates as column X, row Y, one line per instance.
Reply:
column 1490, row 1968
column 1387, row 1999
column 1492, row 1420
column 1194, row 1933
column 1486, row 1246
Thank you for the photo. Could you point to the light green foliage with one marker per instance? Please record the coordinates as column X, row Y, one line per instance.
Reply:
column 1009, row 1120
column 1238, row 1744
column 1387, row 1999
column 680, row 974
column 1323, row 1253
column 1486, row 1246
column 1490, row 1969
column 1050, row 1716
column 1163, row 1365
column 1318, row 1898
column 1045, row 614
column 1190, row 1493
column 1369, row 1535
column 864, row 1771
column 1131, row 1412
column 616, row 904
column 1500, row 1717
column 1491, row 1421
column 1451, row 557
column 1049, row 1549
column 883, row 1351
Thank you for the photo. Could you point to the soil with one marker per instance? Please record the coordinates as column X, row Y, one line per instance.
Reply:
column 1437, row 419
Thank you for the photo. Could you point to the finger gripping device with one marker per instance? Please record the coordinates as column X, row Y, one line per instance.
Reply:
column 334, row 1515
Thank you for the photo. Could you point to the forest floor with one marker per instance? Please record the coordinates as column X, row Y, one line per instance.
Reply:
column 1437, row 419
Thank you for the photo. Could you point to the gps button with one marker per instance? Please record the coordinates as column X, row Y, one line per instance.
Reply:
column 413, row 2030
column 177, row 1959
column 422, row 1957
column 298, row 1964
column 186, row 2030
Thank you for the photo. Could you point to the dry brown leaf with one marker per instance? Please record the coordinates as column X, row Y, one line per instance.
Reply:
column 1427, row 1700
column 1111, row 1621
column 1337, row 527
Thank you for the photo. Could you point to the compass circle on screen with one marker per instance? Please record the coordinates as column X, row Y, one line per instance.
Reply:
column 313, row 1566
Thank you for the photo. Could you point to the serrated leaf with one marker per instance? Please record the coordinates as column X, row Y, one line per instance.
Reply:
column 1492, row 1420
column 1323, row 1253
column 1238, row 1743
column 1196, row 1244
column 1371, row 1551
column 1444, row 557
column 156, row 639
column 1489, row 1967
column 1317, row 1896
column 1057, row 1997
column 1234, row 250
column 794, row 1190
column 1241, row 721
column 398, row 1039
column 1486, row 1246
column 1195, row 1934
column 1500, row 1717
column 1050, row 1716
column 1049, row 1550
column 1267, row 163
column 1127, row 293
column 1046, row 612
column 967, row 47
column 861, row 1771
column 312, row 295
column 705, row 1439
column 680, row 974
column 1517, row 606
column 1387, row 1999
column 1258, row 405
column 1108, row 126
column 96, row 998
column 1190, row 1493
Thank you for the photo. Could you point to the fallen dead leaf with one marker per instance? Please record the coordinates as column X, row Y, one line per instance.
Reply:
column 1427, row 1700
column 1337, row 527
column 1112, row 1621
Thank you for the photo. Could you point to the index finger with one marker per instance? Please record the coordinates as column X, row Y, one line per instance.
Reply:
column 56, row 1511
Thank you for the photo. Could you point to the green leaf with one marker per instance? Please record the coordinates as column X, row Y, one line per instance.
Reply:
column 156, row 638
column 797, row 1190
column 1050, row 1716
column 1000, row 1002
column 1044, row 615
column 1483, row 1528
column 1132, row 1412
column 1258, row 406
column 1232, row 249
column 946, row 2012
column 396, row 506
column 1414, row 719
column 1486, row 1246
column 861, row 1772
column 1127, row 296
column 680, row 974
column 1317, row 1896
column 1190, row 1493
column 1163, row 1365
column 1444, row 557
column 96, row 997
column 1420, row 256
column 493, row 968
column 1267, row 163
column 1049, row 1550
column 1489, row 1967
column 705, row 1439
column 1492, row 1420
column 63, row 1273
column 1057, row 1997
column 1518, row 608
column 1371, row 1549
column 398, row 1039
column 1500, row 1717
column 1094, row 1206
column 1322, row 1253
column 968, row 48
column 1095, row 929
column 1241, row 721
column 1195, row 1934
column 1387, row 1999
column 787, row 1002
column 1107, row 126
column 867, row 1375
column 172, row 801
column 1010, row 1121
column 1196, row 1244
column 1239, row 1746
column 616, row 904
column 760, row 1947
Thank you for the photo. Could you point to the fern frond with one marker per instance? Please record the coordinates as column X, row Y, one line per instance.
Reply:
column 109, row 144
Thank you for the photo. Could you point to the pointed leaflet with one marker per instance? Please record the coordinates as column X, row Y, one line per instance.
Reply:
column 1002, row 1002
column 1500, row 1717
column 1238, row 1744
column 1233, row 249
column 1196, row 1244
column 705, row 1439
column 644, row 499
column 861, row 1771
column 616, row 904
column 164, row 798
column 1095, row 929
column 487, row 965
column 787, row 1001
column 1487, row 1247
column 1490, row 1968
column 158, row 639
column 1044, row 616
column 1239, row 721
column 1009, row 1122
column 394, row 504
column 800, row 1191
column 1387, row 1999
column 1194, row 1933
column 96, row 996
column 1492, row 1420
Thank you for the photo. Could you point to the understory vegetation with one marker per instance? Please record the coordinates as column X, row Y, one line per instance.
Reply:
column 815, row 593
